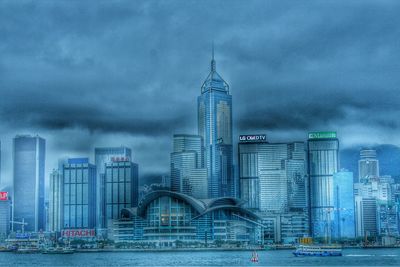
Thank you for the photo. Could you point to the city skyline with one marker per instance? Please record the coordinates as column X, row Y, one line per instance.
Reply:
column 335, row 82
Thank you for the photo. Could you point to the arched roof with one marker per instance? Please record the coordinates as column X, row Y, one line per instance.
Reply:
column 230, row 207
column 198, row 205
column 201, row 206
column 224, row 201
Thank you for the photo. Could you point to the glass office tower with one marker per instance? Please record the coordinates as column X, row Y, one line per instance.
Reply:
column 323, row 162
column 79, row 194
column 188, row 174
column 215, row 127
column 102, row 156
column 121, row 187
column 29, row 166
column 55, row 197
column 343, row 201
column 368, row 164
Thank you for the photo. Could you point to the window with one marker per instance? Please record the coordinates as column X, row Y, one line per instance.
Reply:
column 85, row 175
column 79, row 175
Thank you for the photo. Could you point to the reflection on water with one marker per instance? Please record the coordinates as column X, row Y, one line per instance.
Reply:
column 351, row 257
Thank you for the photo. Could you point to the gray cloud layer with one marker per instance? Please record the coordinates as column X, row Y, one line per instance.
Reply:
column 129, row 72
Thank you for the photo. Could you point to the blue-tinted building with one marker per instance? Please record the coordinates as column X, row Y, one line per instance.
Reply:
column 323, row 162
column 79, row 194
column 215, row 127
column 164, row 216
column 29, row 154
column 102, row 156
column 5, row 208
column 188, row 174
column 343, row 202
column 121, row 188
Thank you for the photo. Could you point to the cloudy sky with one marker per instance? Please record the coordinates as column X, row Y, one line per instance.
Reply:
column 83, row 74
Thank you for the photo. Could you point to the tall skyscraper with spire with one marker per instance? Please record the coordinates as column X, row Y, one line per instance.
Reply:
column 214, row 107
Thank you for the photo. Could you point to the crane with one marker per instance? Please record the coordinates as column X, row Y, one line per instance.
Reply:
column 23, row 223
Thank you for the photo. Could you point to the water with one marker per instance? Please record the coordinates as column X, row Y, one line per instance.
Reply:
column 351, row 257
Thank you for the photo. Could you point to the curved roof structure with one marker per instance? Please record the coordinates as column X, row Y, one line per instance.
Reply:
column 198, row 205
column 201, row 206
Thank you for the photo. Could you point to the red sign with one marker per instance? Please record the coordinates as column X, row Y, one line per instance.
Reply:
column 78, row 233
column 3, row 195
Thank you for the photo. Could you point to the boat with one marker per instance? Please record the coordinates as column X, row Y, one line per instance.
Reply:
column 254, row 257
column 315, row 250
column 58, row 250
column 27, row 250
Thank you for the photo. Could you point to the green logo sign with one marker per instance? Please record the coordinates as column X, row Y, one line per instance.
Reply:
column 321, row 135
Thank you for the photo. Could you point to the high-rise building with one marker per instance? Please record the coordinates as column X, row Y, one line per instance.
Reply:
column 79, row 194
column 55, row 201
column 215, row 127
column 374, row 206
column 28, row 181
column 121, row 188
column 368, row 165
column 343, row 201
column 188, row 174
column 102, row 156
column 5, row 207
column 272, row 175
column 323, row 162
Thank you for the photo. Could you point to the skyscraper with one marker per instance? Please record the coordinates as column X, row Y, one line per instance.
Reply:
column 323, row 162
column 28, row 181
column 272, row 175
column 343, row 201
column 102, row 156
column 368, row 165
column 214, row 107
column 55, row 197
column 79, row 194
column 5, row 206
column 121, row 188
column 188, row 174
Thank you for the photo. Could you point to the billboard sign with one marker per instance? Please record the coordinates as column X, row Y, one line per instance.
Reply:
column 22, row 235
column 78, row 233
column 321, row 135
column 3, row 195
column 253, row 138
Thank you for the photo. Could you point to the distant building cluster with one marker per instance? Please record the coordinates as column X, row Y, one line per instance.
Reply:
column 277, row 192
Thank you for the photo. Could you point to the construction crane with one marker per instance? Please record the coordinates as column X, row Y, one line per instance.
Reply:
column 23, row 223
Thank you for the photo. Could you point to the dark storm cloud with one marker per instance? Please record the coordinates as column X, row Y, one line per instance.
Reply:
column 95, row 70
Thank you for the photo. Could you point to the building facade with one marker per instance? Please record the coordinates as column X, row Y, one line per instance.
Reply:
column 29, row 154
column 343, row 202
column 102, row 156
column 368, row 165
column 79, row 194
column 188, row 174
column 323, row 162
column 121, row 188
column 272, row 176
column 164, row 217
column 214, row 107
column 5, row 210
column 55, row 203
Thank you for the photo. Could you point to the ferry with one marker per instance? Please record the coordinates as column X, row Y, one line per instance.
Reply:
column 27, row 250
column 58, row 250
column 322, row 251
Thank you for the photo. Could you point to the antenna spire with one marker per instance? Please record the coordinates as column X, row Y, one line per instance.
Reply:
column 213, row 64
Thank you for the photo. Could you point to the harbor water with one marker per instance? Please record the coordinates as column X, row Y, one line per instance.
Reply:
column 351, row 257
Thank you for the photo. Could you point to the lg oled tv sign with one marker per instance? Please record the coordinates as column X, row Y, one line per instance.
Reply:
column 253, row 138
column 3, row 195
